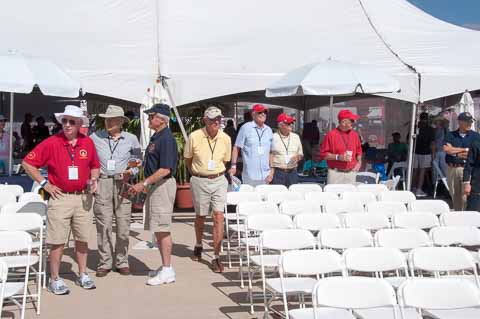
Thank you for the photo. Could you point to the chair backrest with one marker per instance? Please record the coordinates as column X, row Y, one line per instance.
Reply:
column 367, row 178
column 360, row 197
column 21, row 222
column 37, row 207
column 7, row 198
column 416, row 220
column 262, row 222
column 278, row 197
column 269, row 188
column 253, row 208
column 316, row 222
column 402, row 166
column 405, row 197
column 311, row 262
column 386, row 208
column 321, row 198
column 29, row 197
column 305, row 188
column 374, row 259
column 287, row 239
column 339, row 188
column 343, row 206
column 246, row 188
column 295, row 207
column 354, row 293
column 435, row 206
column 462, row 218
column 369, row 221
column 443, row 293
column 455, row 235
column 14, row 189
column 343, row 238
column 402, row 238
column 14, row 241
column 372, row 188
column 435, row 259
column 11, row 208
column 234, row 198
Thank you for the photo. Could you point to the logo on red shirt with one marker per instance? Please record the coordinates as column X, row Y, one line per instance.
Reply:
column 31, row 155
column 83, row 154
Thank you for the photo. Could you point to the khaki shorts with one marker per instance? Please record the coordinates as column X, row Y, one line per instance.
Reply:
column 422, row 161
column 159, row 206
column 69, row 212
column 209, row 194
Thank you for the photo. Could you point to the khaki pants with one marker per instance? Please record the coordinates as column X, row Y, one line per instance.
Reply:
column 108, row 204
column 455, row 183
column 337, row 177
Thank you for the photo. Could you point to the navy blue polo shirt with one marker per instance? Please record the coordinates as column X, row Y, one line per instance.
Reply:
column 161, row 153
column 453, row 138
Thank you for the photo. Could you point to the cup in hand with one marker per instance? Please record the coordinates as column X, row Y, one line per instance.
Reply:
column 349, row 155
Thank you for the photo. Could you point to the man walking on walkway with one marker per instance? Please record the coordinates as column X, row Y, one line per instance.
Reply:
column 206, row 153
column 114, row 148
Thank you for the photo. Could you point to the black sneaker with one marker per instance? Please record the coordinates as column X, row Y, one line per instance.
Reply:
column 197, row 253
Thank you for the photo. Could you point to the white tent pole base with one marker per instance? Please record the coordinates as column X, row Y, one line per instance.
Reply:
column 10, row 155
column 410, row 146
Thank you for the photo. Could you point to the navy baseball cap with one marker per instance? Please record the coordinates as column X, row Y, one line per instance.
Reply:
column 465, row 117
column 161, row 108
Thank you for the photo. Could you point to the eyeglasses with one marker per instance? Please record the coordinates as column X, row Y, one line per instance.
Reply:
column 151, row 116
column 263, row 112
column 71, row 122
column 217, row 119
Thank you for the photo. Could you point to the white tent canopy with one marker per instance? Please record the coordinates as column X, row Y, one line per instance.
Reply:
column 214, row 48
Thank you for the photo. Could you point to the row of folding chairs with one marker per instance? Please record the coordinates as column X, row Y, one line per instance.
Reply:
column 11, row 202
column 313, row 187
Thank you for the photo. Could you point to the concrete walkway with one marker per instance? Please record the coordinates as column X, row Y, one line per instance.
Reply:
column 198, row 292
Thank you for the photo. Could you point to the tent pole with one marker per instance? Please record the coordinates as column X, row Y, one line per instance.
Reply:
column 10, row 155
column 174, row 107
column 235, row 114
column 410, row 146
column 330, row 116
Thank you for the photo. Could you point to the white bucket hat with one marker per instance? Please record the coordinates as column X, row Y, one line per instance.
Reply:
column 73, row 111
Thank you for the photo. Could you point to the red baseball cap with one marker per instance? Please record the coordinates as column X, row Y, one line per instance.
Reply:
column 285, row 118
column 347, row 114
column 257, row 108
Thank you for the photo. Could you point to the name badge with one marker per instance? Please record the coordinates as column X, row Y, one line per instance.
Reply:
column 73, row 173
column 287, row 159
column 211, row 165
column 261, row 151
column 110, row 165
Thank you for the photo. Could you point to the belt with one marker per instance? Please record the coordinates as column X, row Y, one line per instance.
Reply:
column 76, row 192
column 210, row 176
column 286, row 170
column 108, row 176
column 342, row 170
column 455, row 165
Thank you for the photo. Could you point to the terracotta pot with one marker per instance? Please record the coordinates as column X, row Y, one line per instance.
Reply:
column 183, row 198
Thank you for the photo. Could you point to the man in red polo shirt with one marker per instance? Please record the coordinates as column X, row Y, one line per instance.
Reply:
column 72, row 164
column 342, row 149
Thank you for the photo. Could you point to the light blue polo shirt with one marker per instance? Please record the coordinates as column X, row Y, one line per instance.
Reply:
column 255, row 143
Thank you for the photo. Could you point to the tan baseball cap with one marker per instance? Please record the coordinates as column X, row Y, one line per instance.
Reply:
column 212, row 112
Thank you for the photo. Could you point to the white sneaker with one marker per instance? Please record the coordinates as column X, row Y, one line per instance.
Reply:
column 420, row 193
column 163, row 277
column 153, row 273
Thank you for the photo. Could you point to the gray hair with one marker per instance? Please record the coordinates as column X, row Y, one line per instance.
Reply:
column 165, row 118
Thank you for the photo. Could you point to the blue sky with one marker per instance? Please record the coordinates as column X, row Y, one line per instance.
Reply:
column 460, row 12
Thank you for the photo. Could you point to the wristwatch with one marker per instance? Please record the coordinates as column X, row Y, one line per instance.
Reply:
column 145, row 183
column 43, row 183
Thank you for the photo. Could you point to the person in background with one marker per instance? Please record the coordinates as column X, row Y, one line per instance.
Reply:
column 397, row 151
column 27, row 133
column 342, row 149
column 4, row 146
column 441, row 131
column 247, row 117
column 40, row 131
column 457, row 145
column 424, row 148
column 286, row 152
column 471, row 177
column 17, row 143
column 57, row 127
column 206, row 153
column 254, row 140
column 230, row 130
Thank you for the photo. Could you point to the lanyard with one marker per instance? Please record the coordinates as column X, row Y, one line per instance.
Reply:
column 70, row 153
column 286, row 145
column 210, row 146
column 114, row 147
column 259, row 135
column 344, row 141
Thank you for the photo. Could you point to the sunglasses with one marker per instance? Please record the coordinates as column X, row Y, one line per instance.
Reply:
column 263, row 112
column 71, row 122
column 215, row 120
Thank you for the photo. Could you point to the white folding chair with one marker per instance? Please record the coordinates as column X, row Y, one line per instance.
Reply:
column 231, row 226
column 360, row 197
column 263, row 190
column 11, row 208
column 343, row 206
column 438, row 177
column 295, row 207
column 435, row 206
column 386, row 208
column 278, row 197
column 297, row 267
column 455, row 236
column 438, row 260
column 418, row 220
column 460, row 218
column 305, row 188
column 279, row 241
column 445, row 298
column 402, row 167
column 8, row 289
column 32, row 223
column 343, row 238
column 379, row 261
column 29, row 197
column 368, row 221
column 7, row 198
column 405, row 197
column 404, row 239
column 367, row 178
column 246, row 188
column 321, row 198
column 17, row 190
column 316, row 222
column 16, row 242
column 339, row 188
column 372, row 188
